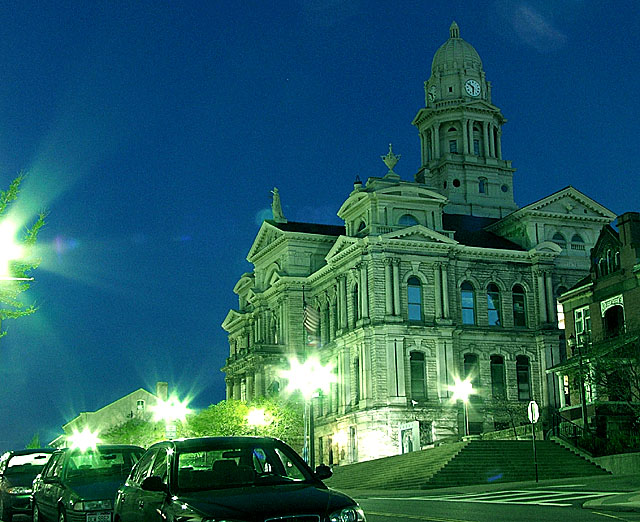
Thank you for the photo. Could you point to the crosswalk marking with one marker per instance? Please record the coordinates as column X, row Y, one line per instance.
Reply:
column 521, row 496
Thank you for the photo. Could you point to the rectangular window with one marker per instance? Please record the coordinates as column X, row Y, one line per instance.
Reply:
column 453, row 146
column 418, row 376
column 476, row 147
column 415, row 303
column 468, row 314
column 582, row 323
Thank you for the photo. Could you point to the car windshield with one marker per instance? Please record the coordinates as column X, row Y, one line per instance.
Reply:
column 31, row 463
column 241, row 464
column 100, row 461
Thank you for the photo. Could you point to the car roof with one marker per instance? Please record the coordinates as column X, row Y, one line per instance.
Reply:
column 31, row 451
column 205, row 441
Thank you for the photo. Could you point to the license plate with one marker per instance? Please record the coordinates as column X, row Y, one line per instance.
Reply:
column 98, row 517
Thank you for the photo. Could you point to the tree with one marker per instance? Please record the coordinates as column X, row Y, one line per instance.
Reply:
column 14, row 273
column 35, row 442
column 137, row 431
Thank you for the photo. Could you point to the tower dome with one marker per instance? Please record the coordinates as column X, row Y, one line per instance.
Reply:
column 455, row 53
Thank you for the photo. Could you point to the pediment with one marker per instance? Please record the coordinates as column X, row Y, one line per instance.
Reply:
column 546, row 247
column 569, row 201
column 419, row 233
column 231, row 317
column 340, row 245
column 267, row 235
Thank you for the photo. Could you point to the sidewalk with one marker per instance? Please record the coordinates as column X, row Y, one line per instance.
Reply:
column 623, row 502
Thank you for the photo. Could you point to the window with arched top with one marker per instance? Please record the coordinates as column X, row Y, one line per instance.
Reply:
column 414, row 298
column 523, row 376
column 577, row 243
column 483, row 185
column 493, row 304
column 407, row 220
column 559, row 240
column 519, row 315
column 472, row 370
column 452, row 129
column 418, row 375
column 497, row 377
column 468, row 301
column 361, row 226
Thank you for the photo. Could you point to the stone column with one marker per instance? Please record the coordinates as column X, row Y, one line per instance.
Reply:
column 542, row 305
column 499, row 143
column 237, row 387
column 229, row 393
column 551, row 305
column 437, row 290
column 364, row 291
column 470, row 134
column 436, row 139
column 388, row 286
column 445, row 291
column 332, row 320
column 492, row 144
column 396, row 287
column 259, row 382
column 485, row 136
column 343, row 304
column 250, row 389
column 465, row 137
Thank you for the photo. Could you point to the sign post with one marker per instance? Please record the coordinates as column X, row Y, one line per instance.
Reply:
column 534, row 414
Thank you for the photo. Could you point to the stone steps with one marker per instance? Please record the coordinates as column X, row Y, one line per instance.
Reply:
column 465, row 463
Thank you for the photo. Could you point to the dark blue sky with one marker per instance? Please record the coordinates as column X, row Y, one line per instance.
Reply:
column 154, row 131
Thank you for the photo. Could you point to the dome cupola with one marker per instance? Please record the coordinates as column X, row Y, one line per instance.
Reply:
column 455, row 54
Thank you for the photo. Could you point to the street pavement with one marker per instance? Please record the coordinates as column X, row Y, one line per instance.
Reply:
column 603, row 493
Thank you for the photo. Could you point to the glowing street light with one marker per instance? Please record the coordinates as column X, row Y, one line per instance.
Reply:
column 461, row 391
column 257, row 418
column 310, row 379
column 170, row 411
column 83, row 440
column 9, row 250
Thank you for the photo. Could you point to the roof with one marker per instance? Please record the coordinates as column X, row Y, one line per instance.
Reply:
column 309, row 228
column 470, row 231
column 455, row 53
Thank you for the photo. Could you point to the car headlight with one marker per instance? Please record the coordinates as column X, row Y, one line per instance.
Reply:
column 350, row 514
column 90, row 505
column 19, row 490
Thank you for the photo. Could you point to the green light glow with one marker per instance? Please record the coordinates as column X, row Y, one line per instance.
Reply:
column 462, row 390
column 83, row 440
column 171, row 410
column 9, row 249
column 309, row 377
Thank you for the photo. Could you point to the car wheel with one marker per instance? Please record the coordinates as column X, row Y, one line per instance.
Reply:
column 36, row 514
column 5, row 514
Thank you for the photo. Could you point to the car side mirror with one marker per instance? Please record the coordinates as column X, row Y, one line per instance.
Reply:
column 154, row 484
column 323, row 472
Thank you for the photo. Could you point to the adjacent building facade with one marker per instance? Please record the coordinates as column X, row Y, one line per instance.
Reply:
column 600, row 377
column 428, row 281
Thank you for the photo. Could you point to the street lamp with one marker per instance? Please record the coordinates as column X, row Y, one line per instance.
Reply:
column 461, row 391
column 9, row 251
column 83, row 440
column 170, row 411
column 583, row 396
column 309, row 378
column 257, row 418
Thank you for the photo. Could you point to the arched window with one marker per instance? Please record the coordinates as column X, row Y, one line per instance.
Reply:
column 483, row 185
column 414, row 298
column 472, row 370
column 577, row 243
column 497, row 377
column 468, row 300
column 559, row 240
column 407, row 220
column 418, row 375
column 493, row 304
column 361, row 226
column 519, row 316
column 523, row 375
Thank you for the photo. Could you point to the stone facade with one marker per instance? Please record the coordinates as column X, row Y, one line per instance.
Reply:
column 428, row 281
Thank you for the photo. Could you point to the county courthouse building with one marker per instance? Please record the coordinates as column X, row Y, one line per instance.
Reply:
column 429, row 280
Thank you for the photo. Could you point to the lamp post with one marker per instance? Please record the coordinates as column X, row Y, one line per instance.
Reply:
column 573, row 344
column 170, row 411
column 309, row 378
column 461, row 391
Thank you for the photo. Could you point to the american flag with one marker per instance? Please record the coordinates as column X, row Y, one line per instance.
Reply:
column 311, row 320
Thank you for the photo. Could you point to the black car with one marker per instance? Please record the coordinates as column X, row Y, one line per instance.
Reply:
column 235, row 479
column 17, row 471
column 80, row 485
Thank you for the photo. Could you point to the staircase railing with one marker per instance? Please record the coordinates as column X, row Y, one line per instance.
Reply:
column 582, row 438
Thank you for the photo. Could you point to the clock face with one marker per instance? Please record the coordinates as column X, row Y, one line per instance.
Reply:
column 472, row 87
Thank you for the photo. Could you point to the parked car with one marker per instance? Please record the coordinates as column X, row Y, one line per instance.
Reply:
column 80, row 485
column 17, row 471
column 246, row 479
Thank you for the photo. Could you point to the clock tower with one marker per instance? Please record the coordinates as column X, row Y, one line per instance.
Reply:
column 460, row 133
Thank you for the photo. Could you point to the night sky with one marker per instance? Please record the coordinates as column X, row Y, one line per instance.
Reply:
column 154, row 131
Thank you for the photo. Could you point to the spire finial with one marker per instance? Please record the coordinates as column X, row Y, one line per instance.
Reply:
column 390, row 159
column 276, row 207
column 454, row 30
